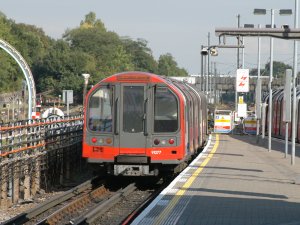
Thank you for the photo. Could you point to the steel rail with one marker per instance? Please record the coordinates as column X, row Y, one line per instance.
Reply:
column 75, row 206
column 39, row 209
column 102, row 207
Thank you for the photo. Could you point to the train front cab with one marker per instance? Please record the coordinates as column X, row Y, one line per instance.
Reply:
column 134, row 127
column 141, row 124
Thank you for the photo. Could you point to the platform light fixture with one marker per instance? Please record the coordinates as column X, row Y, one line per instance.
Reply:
column 248, row 25
column 260, row 12
column 285, row 12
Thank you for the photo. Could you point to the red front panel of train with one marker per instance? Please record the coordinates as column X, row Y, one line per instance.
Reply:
column 109, row 153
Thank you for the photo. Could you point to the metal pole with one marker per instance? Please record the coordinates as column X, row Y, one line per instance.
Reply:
column 270, row 85
column 258, row 104
column 202, row 74
column 243, row 54
column 286, row 139
column 86, row 77
column 238, row 61
column 215, row 83
column 84, row 90
column 68, row 108
column 13, row 108
column 210, row 83
column 206, row 80
column 208, row 70
column 263, row 122
column 294, row 89
column 238, row 38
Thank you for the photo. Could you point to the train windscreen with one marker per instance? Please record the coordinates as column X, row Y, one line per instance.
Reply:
column 165, row 111
column 100, row 110
column 133, row 109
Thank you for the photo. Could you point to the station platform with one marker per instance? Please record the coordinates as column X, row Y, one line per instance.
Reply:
column 233, row 181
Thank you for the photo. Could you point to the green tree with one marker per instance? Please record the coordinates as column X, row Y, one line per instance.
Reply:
column 92, row 22
column 141, row 54
column 106, row 47
column 278, row 69
column 88, row 48
column 168, row 66
column 61, row 68
column 11, row 74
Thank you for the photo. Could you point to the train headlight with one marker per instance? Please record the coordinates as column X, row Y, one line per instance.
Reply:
column 156, row 142
column 163, row 142
column 108, row 141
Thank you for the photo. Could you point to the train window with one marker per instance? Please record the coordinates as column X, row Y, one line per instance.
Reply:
column 165, row 111
column 100, row 110
column 133, row 109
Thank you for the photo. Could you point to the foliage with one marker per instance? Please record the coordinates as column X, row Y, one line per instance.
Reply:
column 278, row 69
column 168, row 66
column 141, row 54
column 89, row 48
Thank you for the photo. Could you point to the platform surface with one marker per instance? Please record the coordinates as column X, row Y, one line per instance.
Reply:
column 234, row 181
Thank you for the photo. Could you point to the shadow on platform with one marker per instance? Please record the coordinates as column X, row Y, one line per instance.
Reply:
column 211, row 210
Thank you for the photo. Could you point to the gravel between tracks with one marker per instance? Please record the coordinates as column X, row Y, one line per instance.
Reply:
column 120, row 211
column 6, row 214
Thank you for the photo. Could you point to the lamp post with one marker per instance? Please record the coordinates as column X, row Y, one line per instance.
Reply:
column 59, row 99
column 294, row 88
column 208, row 71
column 202, row 71
column 86, row 77
column 204, row 53
column 258, row 90
column 263, row 12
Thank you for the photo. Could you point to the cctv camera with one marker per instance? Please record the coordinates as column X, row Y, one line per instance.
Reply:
column 204, row 51
column 285, row 26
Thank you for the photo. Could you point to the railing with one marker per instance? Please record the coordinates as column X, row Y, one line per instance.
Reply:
column 36, row 154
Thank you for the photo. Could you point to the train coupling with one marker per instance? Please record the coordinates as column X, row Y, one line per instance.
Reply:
column 134, row 170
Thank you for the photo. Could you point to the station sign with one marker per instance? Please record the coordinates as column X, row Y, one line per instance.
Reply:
column 223, row 121
column 250, row 125
column 241, row 99
column 242, row 80
column 67, row 96
column 242, row 110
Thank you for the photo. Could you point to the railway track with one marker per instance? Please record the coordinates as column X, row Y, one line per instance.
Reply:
column 31, row 216
column 94, row 202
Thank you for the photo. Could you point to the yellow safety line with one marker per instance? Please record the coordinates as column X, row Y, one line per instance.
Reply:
column 186, row 185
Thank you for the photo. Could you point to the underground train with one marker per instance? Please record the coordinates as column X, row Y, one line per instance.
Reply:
column 142, row 124
column 278, row 125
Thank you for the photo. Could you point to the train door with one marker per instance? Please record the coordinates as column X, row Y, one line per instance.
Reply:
column 133, row 119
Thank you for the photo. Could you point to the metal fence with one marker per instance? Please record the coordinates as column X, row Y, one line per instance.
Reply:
column 36, row 154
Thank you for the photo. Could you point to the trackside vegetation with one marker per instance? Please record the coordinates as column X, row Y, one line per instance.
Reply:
column 57, row 64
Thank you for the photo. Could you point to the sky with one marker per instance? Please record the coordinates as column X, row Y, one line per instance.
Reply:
column 170, row 26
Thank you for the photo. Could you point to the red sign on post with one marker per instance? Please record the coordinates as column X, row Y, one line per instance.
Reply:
column 242, row 80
